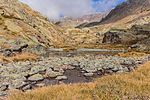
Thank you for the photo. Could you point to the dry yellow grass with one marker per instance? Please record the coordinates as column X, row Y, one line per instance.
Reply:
column 132, row 54
column 127, row 86
column 19, row 57
column 96, row 46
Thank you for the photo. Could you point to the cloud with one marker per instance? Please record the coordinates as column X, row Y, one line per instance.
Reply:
column 54, row 9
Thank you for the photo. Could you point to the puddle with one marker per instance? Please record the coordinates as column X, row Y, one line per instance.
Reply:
column 76, row 76
column 73, row 76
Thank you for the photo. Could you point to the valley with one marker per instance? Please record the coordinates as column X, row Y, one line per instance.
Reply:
column 101, row 56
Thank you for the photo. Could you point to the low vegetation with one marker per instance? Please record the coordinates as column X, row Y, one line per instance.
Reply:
column 132, row 54
column 19, row 57
column 127, row 86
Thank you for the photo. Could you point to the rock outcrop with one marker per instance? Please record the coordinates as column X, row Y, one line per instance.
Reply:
column 120, row 37
column 138, row 34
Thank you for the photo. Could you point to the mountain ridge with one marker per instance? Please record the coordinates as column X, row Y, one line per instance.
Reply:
column 122, row 11
column 127, row 8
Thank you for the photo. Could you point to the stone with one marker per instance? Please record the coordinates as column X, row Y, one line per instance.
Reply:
column 61, row 78
column 134, row 46
column 100, row 69
column 40, row 84
column 116, row 36
column 52, row 74
column 7, row 53
column 19, row 48
column 111, row 37
column 128, row 62
column 36, row 77
column 2, row 93
column 115, row 69
column 3, row 87
column 37, row 69
column 88, row 74
column 90, row 70
column 17, row 84
column 27, row 87
column 58, row 69
column 125, row 69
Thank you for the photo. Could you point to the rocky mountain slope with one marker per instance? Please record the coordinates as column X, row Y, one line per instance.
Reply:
column 129, row 23
column 126, row 13
column 20, row 24
column 127, row 8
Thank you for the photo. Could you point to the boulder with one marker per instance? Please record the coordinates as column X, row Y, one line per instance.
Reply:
column 119, row 37
column 88, row 74
column 37, row 69
column 17, row 84
column 52, row 74
column 112, row 38
column 36, row 77
column 3, row 87
column 61, row 78
column 7, row 53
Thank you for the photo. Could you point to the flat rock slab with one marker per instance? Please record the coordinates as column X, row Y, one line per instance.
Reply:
column 61, row 78
column 52, row 74
column 36, row 77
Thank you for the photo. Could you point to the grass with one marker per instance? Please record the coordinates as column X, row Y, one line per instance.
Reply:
column 127, row 86
column 19, row 57
column 95, row 46
column 132, row 54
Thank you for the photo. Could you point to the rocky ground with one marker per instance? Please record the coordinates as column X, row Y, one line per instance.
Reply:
column 66, row 68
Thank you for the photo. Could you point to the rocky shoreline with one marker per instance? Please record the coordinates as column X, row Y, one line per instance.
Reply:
column 56, row 69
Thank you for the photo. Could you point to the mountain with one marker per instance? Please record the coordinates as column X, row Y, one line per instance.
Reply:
column 91, row 17
column 129, row 24
column 19, row 24
column 126, row 24
column 126, row 13
column 127, row 8
column 73, row 22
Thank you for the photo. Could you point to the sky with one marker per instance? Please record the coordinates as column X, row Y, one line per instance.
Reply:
column 55, row 9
